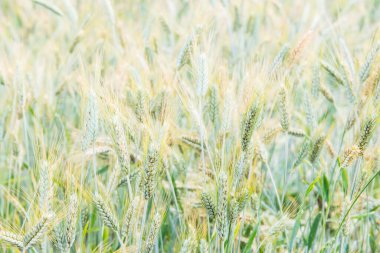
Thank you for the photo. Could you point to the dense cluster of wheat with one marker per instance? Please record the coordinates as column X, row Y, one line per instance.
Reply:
column 189, row 126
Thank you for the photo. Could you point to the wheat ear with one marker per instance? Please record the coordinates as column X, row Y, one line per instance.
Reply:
column 284, row 110
column 153, row 233
column 366, row 133
column 222, row 206
column 151, row 164
column 36, row 233
column 71, row 220
column 106, row 214
column 11, row 238
column 249, row 123
column 209, row 205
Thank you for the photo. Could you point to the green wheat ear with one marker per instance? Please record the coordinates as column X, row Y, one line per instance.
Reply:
column 202, row 75
column 213, row 106
column 316, row 148
column 296, row 132
column 249, row 124
column 139, row 106
column 309, row 111
column 187, row 245
column 326, row 93
column 367, row 65
column 203, row 246
column 38, row 231
column 242, row 199
column 72, row 220
column 45, row 188
column 106, row 213
column 316, row 82
column 13, row 239
column 158, row 106
column 121, row 144
column 192, row 142
column 128, row 219
column 233, row 211
column 240, row 168
column 279, row 59
column 187, row 49
column 91, row 121
column 366, row 134
column 284, row 109
column 302, row 153
column 150, row 166
column 154, row 229
column 184, row 54
column 209, row 205
column 222, row 206
column 333, row 72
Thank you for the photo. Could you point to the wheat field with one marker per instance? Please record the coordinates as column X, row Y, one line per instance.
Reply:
column 189, row 126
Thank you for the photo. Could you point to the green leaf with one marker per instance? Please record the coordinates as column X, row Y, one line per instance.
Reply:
column 85, row 229
column 373, row 242
column 338, row 161
column 354, row 201
column 344, row 175
column 311, row 186
column 325, row 187
column 313, row 231
column 294, row 231
column 102, row 170
column 247, row 247
column 49, row 6
column 176, row 193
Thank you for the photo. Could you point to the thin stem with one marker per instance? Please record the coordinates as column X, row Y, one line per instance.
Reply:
column 286, row 168
column 142, row 225
column 274, row 186
column 354, row 201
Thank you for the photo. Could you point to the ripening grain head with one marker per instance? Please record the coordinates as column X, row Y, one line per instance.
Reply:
column 189, row 126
